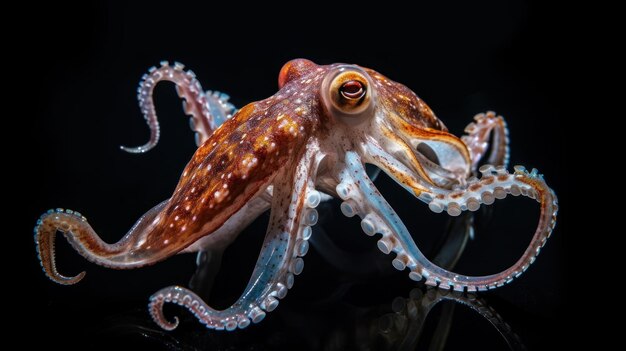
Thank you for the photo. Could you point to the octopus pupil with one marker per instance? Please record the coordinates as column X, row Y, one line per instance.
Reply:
column 352, row 89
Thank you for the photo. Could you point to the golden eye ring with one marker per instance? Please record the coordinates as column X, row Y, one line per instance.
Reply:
column 349, row 92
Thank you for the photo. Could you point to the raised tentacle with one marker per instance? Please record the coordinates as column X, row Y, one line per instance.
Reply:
column 292, row 215
column 207, row 110
column 361, row 197
column 85, row 240
column 477, row 139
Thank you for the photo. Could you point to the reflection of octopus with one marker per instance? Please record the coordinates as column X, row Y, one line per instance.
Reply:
column 316, row 132
column 403, row 328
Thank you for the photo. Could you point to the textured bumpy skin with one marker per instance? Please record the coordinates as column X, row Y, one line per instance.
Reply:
column 309, row 141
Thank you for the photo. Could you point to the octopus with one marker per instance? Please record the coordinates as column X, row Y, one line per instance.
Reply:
column 307, row 143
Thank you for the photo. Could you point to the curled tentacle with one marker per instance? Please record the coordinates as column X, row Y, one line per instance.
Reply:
column 292, row 215
column 85, row 240
column 207, row 110
column 477, row 139
column 45, row 233
column 361, row 197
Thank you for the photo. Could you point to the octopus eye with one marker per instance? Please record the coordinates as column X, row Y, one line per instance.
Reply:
column 348, row 92
column 352, row 89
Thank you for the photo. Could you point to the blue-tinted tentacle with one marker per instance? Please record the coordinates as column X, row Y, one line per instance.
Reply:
column 361, row 197
column 292, row 215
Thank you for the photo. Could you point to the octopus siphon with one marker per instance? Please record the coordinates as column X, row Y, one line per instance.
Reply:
column 307, row 143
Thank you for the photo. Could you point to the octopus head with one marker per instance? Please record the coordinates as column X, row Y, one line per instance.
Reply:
column 385, row 122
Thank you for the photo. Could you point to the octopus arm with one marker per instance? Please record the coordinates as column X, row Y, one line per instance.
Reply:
column 291, row 218
column 207, row 110
column 361, row 197
column 486, row 126
column 81, row 236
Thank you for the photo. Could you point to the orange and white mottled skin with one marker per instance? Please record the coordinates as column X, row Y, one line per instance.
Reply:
column 311, row 138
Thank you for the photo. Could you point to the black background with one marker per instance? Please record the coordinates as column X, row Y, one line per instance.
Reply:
column 461, row 59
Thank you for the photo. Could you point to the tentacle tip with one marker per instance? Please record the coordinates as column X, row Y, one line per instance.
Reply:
column 63, row 280
column 156, row 311
column 167, row 325
column 136, row 150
